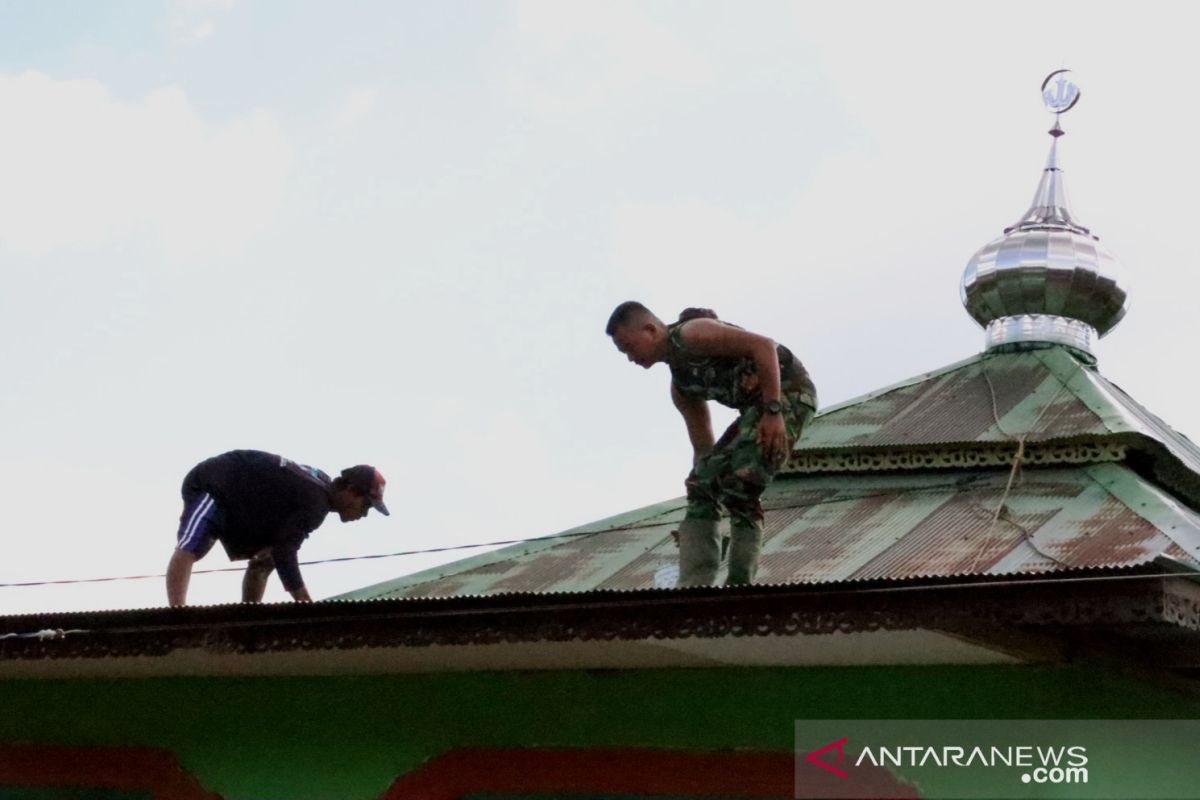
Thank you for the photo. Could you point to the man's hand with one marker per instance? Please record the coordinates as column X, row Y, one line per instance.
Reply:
column 772, row 438
column 301, row 595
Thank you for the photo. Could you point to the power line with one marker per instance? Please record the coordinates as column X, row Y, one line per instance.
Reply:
column 646, row 522
column 446, row 549
column 975, row 483
column 958, row 485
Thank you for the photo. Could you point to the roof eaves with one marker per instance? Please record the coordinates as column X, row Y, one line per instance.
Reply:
column 1106, row 597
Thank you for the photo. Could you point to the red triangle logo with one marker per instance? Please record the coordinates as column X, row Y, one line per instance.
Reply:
column 815, row 757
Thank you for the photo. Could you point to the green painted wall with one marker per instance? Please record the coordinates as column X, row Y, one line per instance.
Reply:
column 349, row 737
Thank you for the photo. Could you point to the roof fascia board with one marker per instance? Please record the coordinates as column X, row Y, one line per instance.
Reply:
column 1134, row 598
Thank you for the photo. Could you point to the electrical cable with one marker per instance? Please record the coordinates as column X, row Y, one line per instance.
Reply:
column 641, row 523
column 972, row 484
column 447, row 548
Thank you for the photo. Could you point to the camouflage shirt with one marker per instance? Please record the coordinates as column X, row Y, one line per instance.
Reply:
column 730, row 381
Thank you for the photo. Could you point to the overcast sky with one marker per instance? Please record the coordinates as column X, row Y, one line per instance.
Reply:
column 392, row 233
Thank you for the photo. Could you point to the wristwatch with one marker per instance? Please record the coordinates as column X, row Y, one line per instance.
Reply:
column 772, row 407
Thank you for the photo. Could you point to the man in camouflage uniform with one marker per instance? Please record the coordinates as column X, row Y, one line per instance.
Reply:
column 775, row 398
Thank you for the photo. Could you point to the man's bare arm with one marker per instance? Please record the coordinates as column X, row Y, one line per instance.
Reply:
column 698, row 422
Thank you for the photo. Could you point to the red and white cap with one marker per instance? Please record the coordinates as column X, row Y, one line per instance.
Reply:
column 370, row 482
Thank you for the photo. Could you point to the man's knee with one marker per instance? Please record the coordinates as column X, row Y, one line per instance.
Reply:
column 183, row 558
column 741, row 492
column 702, row 500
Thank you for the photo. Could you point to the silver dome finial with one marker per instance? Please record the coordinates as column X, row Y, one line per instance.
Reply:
column 1047, row 279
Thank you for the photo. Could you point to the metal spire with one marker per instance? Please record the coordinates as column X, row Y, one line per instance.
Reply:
column 1047, row 279
column 1050, row 206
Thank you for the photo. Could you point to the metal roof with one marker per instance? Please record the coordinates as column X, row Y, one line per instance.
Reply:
column 1040, row 394
column 929, row 518
column 829, row 529
column 1042, row 397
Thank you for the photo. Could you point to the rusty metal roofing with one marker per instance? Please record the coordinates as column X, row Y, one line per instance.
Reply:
column 829, row 529
column 846, row 519
column 1040, row 395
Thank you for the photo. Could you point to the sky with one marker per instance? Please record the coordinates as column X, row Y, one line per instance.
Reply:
column 392, row 232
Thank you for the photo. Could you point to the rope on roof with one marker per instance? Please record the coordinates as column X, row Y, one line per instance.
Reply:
column 1016, row 468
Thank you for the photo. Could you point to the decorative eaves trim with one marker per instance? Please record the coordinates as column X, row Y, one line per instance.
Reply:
column 605, row 616
column 1181, row 604
column 954, row 457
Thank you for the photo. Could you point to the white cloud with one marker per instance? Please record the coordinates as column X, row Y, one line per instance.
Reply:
column 192, row 21
column 83, row 169
column 194, row 33
column 358, row 105
column 575, row 56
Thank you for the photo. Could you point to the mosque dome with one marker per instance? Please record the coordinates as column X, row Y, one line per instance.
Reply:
column 1047, row 278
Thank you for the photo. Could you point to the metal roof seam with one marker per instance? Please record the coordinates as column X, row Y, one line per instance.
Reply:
column 1140, row 508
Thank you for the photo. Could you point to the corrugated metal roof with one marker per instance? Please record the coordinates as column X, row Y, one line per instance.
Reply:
column 837, row 528
column 935, row 521
column 1042, row 395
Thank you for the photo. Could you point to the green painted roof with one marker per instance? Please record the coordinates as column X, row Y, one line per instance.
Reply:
column 1043, row 395
column 827, row 529
column 860, row 523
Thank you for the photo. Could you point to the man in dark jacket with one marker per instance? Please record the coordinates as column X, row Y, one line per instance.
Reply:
column 262, row 507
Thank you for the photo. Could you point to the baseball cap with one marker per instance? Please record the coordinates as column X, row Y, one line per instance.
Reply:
column 370, row 482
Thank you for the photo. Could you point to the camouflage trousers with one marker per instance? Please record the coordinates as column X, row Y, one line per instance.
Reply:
column 732, row 477
column 734, row 473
